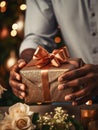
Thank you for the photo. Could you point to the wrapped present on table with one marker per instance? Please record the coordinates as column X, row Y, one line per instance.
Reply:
column 41, row 74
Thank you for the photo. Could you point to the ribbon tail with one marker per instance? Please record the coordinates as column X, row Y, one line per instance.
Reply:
column 45, row 85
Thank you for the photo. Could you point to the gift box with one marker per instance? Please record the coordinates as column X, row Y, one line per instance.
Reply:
column 41, row 74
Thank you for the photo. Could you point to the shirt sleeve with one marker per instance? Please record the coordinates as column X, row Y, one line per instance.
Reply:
column 40, row 25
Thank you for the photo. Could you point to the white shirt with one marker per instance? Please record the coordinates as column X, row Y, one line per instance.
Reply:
column 78, row 22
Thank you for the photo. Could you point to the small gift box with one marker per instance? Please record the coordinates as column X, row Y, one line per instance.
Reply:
column 41, row 74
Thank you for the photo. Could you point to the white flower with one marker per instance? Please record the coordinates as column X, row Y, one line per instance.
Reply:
column 18, row 118
column 23, row 123
column 56, row 120
column 58, row 109
column 19, row 109
column 5, row 125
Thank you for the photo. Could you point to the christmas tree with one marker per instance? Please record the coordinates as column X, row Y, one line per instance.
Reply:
column 12, row 13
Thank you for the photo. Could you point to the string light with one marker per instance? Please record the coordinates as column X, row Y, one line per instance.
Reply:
column 15, row 26
column 23, row 7
column 4, row 32
column 13, row 33
column 20, row 25
column 3, row 6
column 11, row 60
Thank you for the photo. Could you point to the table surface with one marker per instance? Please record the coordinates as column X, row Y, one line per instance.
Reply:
column 73, row 110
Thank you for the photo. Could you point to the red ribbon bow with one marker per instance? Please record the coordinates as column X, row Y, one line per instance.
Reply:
column 42, row 57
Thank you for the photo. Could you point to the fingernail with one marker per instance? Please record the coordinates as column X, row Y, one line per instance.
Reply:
column 60, row 87
column 21, row 97
column 17, row 77
column 23, row 94
column 22, row 87
column 21, row 64
column 67, row 98
column 60, row 79
column 74, row 103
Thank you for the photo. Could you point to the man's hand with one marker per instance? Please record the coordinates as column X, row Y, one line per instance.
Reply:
column 15, row 79
column 85, row 77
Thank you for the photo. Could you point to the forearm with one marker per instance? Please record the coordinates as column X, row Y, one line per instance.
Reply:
column 38, row 30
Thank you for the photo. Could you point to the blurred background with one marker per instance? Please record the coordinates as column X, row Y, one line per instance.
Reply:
column 12, row 15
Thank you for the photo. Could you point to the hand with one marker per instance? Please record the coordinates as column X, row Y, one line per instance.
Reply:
column 85, row 77
column 15, row 79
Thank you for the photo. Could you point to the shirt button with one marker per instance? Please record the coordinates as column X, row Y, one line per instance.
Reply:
column 93, row 14
column 95, row 50
column 94, row 34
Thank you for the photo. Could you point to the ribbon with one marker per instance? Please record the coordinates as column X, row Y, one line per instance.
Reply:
column 42, row 57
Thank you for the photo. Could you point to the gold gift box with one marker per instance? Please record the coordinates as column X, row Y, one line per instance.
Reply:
column 32, row 78
column 42, row 83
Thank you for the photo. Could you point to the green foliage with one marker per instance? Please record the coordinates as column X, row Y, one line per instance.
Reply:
column 77, row 124
column 35, row 118
column 8, row 98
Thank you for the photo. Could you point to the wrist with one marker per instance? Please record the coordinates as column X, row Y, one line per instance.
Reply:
column 27, row 54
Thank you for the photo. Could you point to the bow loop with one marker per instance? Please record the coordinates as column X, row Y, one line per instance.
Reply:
column 42, row 57
column 40, row 53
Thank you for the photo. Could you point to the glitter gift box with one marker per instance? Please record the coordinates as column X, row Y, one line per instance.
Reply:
column 41, row 74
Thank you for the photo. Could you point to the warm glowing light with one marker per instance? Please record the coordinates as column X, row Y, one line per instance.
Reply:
column 23, row 7
column 20, row 25
column 4, row 32
column 89, row 102
column 15, row 26
column 39, row 103
column 57, row 39
column 3, row 9
column 11, row 60
column 13, row 33
column 88, row 113
column 3, row 4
